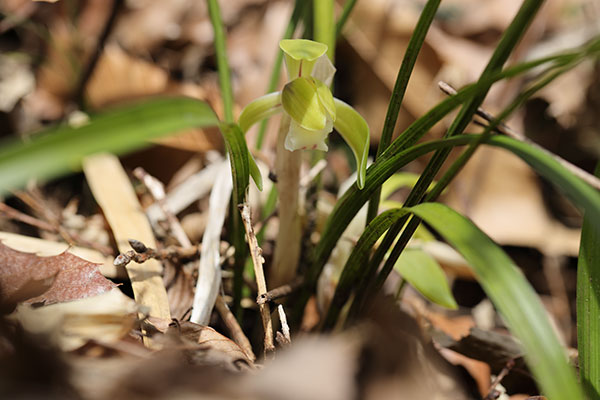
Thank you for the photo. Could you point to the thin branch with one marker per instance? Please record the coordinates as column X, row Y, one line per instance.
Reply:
column 279, row 292
column 257, row 261
column 283, row 337
column 17, row 215
column 51, row 222
column 508, row 131
column 142, row 254
column 492, row 392
column 157, row 190
column 234, row 327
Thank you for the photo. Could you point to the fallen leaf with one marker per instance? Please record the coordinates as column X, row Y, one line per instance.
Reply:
column 104, row 318
column 213, row 348
column 74, row 277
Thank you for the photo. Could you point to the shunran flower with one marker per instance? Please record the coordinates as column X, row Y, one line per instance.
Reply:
column 312, row 109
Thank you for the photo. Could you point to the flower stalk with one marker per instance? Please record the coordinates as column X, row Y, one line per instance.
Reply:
column 310, row 113
column 287, row 245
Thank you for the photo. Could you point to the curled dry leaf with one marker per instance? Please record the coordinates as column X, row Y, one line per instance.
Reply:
column 104, row 318
column 74, row 277
column 213, row 348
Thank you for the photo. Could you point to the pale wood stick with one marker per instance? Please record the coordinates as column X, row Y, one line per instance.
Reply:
column 115, row 195
column 258, row 261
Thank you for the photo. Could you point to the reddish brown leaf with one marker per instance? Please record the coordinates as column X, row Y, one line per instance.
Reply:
column 74, row 277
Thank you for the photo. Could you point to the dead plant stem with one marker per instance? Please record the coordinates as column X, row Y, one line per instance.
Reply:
column 257, row 261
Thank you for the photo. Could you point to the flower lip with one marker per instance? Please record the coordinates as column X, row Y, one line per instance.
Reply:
column 306, row 104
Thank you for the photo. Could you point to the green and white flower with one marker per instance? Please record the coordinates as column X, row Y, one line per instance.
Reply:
column 312, row 109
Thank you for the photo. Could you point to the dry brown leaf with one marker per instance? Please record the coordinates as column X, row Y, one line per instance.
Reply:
column 45, row 248
column 119, row 76
column 213, row 348
column 74, row 277
column 104, row 318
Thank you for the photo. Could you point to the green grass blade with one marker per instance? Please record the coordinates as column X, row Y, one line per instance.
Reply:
column 588, row 307
column 408, row 62
column 222, row 64
column 512, row 295
column 324, row 25
column 507, row 43
column 354, row 271
column 59, row 150
column 348, row 6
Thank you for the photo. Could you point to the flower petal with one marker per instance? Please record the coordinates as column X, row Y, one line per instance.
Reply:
column 301, row 101
column 259, row 109
column 325, row 98
column 323, row 70
column 299, row 138
column 355, row 131
column 301, row 55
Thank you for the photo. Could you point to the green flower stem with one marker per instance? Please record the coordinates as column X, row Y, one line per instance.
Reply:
column 287, row 245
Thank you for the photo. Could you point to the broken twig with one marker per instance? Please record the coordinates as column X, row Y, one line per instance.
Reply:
column 234, row 327
column 141, row 253
column 257, row 261
column 279, row 292
column 283, row 337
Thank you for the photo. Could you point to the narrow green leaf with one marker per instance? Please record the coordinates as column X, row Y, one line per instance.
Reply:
column 408, row 62
column 348, row 6
column 508, row 41
column 222, row 63
column 354, row 271
column 239, row 159
column 255, row 171
column 579, row 192
column 398, row 181
column 588, row 307
column 425, row 274
column 512, row 295
column 59, row 150
column 324, row 24
column 355, row 131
